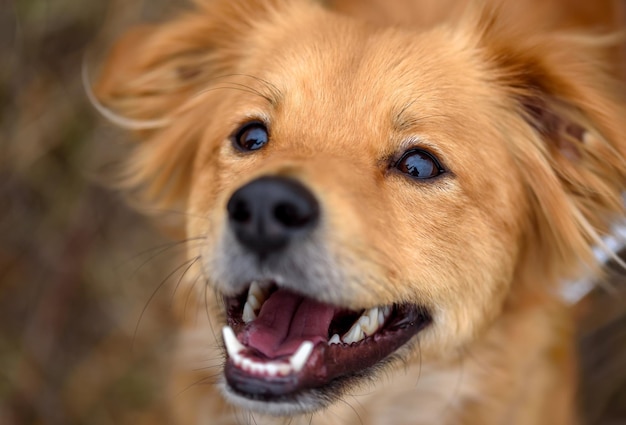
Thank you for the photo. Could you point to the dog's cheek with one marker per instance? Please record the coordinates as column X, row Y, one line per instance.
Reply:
column 459, row 248
column 206, row 208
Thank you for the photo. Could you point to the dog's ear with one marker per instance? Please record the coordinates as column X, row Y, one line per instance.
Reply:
column 154, row 68
column 150, row 80
column 573, row 153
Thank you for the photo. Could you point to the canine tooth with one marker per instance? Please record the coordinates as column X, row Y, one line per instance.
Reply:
column 232, row 344
column 258, row 293
column 248, row 313
column 300, row 357
column 372, row 313
column 366, row 325
column 256, row 297
column 254, row 287
column 369, row 321
column 253, row 302
column 355, row 334
column 334, row 340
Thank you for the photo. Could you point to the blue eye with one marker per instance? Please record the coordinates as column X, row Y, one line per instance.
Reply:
column 419, row 164
column 251, row 136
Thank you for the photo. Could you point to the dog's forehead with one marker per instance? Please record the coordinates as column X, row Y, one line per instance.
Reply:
column 348, row 82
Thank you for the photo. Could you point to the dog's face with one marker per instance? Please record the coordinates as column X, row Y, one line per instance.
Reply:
column 360, row 191
column 352, row 185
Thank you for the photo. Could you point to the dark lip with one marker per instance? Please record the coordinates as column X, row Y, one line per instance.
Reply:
column 328, row 365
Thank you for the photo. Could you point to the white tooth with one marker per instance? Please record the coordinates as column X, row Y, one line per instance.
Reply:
column 334, row 340
column 257, row 292
column 253, row 302
column 271, row 369
column 248, row 313
column 372, row 313
column 256, row 297
column 358, row 333
column 246, row 364
column 381, row 317
column 300, row 357
column 366, row 325
column 232, row 344
column 387, row 311
column 372, row 328
column 355, row 334
column 284, row 369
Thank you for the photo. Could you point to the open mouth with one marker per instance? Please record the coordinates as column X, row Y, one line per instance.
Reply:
column 281, row 344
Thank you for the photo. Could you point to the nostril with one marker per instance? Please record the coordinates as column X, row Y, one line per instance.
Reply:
column 239, row 211
column 289, row 215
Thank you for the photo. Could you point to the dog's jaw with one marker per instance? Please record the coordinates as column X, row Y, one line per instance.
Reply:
column 300, row 404
column 311, row 366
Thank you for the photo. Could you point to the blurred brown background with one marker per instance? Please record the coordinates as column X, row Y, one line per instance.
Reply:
column 77, row 267
column 85, row 284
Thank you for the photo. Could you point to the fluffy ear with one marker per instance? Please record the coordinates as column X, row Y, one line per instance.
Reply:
column 573, row 157
column 153, row 69
column 150, row 80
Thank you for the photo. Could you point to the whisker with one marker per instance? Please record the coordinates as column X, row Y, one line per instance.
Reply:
column 190, row 292
column 272, row 88
column 203, row 369
column 143, row 311
column 353, row 410
column 175, row 212
column 419, row 370
column 182, row 276
column 161, row 249
column 206, row 309
column 207, row 380
column 243, row 89
column 252, row 90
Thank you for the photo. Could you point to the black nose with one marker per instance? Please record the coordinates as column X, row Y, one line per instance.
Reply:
column 267, row 213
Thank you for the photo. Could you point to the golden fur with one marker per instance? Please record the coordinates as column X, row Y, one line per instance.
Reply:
column 526, row 119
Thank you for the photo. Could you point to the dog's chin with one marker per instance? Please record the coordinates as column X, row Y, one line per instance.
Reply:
column 298, row 404
column 288, row 353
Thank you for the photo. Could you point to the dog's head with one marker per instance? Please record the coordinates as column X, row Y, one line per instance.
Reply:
column 360, row 189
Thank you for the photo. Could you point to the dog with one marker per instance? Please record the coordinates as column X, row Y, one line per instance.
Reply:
column 381, row 200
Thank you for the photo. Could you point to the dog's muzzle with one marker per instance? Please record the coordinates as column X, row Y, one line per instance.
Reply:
column 284, row 336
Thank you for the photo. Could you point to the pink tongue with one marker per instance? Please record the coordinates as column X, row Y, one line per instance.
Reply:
column 285, row 321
